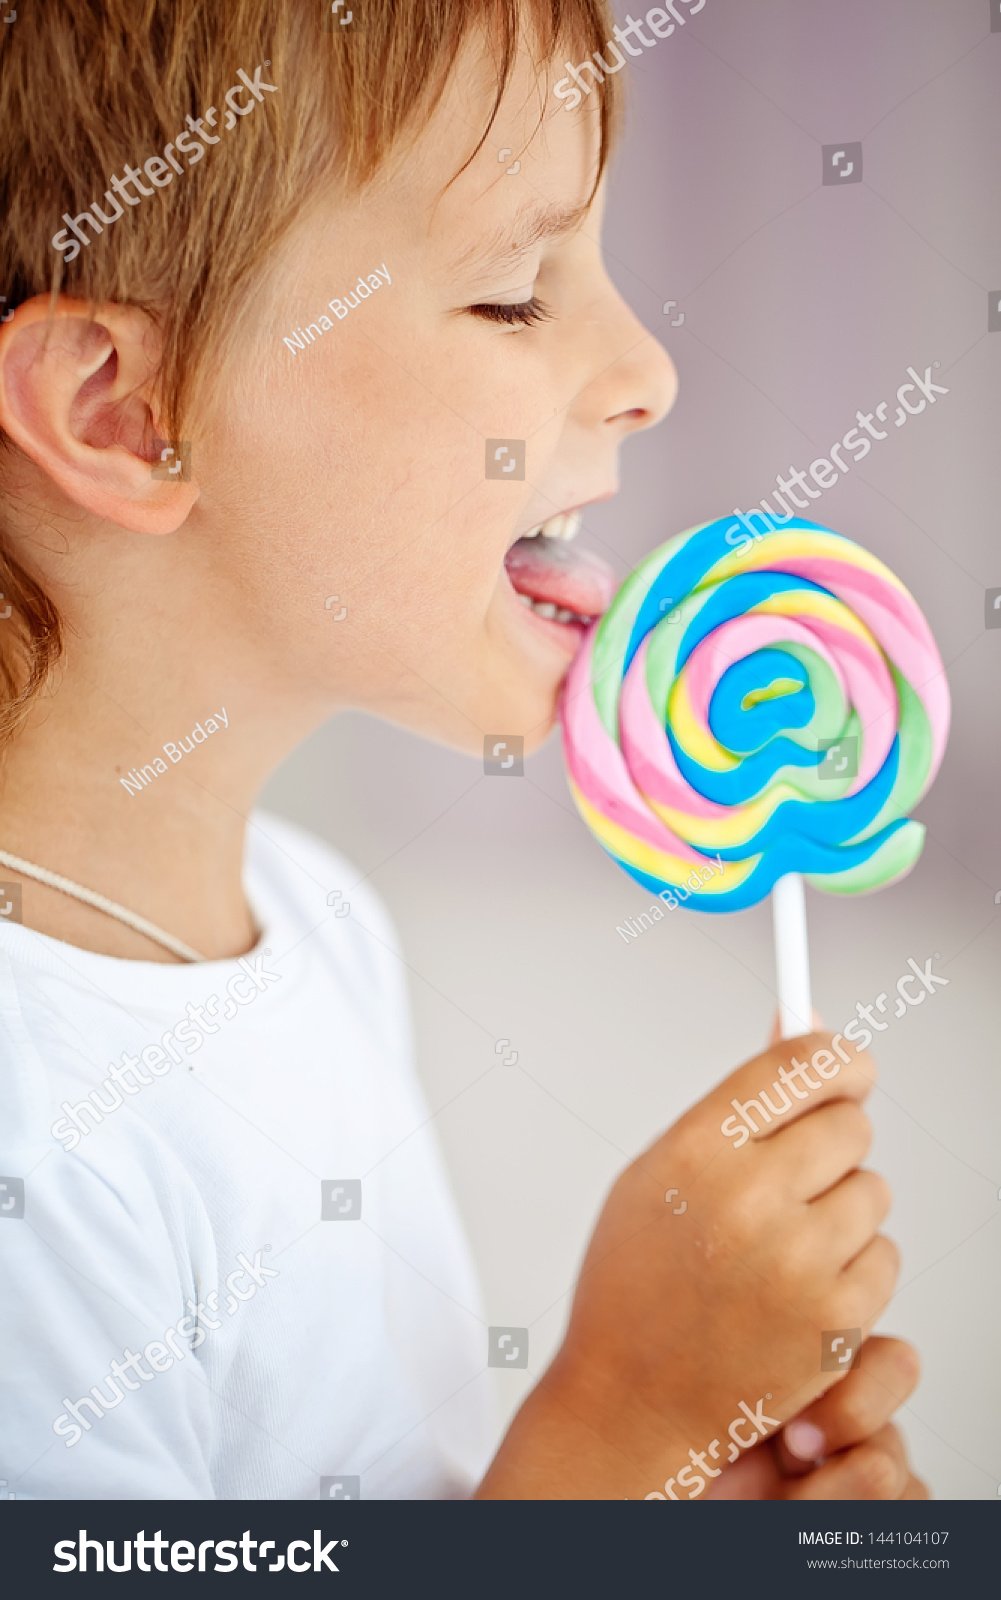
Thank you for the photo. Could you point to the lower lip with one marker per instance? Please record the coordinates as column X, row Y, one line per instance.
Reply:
column 567, row 634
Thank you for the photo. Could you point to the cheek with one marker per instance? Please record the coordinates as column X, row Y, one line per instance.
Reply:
column 363, row 481
column 340, row 441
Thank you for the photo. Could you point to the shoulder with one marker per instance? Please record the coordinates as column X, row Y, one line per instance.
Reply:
column 307, row 874
column 308, row 885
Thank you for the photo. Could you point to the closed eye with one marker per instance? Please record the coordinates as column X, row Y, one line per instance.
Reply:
column 522, row 315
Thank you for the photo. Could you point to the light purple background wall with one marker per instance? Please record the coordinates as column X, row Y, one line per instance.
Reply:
column 802, row 304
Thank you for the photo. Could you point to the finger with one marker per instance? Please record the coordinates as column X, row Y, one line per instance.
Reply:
column 915, row 1490
column 771, row 1092
column 875, row 1470
column 845, row 1219
column 854, row 1409
column 799, row 1448
column 819, row 1149
column 866, row 1284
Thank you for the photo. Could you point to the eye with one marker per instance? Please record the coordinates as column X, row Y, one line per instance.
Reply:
column 522, row 315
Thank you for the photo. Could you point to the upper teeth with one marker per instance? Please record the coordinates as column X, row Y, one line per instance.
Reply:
column 565, row 525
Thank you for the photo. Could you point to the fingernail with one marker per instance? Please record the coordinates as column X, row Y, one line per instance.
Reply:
column 805, row 1440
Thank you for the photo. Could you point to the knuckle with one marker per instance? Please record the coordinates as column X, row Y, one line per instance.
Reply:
column 746, row 1214
column 859, row 1128
column 857, row 1411
column 877, row 1472
column 907, row 1362
column 890, row 1259
column 862, row 1297
column 853, row 1304
column 865, row 1068
column 847, row 1130
column 888, row 1437
column 880, row 1192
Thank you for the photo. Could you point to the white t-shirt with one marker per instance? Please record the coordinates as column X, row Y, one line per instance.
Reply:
column 201, row 1229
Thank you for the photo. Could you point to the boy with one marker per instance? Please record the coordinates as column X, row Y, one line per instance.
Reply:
column 297, row 309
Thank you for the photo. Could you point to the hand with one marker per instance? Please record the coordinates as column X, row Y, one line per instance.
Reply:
column 842, row 1447
column 679, row 1319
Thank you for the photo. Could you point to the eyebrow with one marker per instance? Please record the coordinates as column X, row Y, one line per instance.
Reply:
column 510, row 241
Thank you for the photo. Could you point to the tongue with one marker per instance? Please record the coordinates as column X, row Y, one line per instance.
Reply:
column 562, row 573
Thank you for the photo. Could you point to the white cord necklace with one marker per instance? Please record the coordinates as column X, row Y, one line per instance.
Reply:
column 100, row 903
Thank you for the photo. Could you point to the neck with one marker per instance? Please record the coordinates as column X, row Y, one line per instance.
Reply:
column 168, row 842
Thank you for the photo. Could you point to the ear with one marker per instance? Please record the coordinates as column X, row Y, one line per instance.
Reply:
column 77, row 391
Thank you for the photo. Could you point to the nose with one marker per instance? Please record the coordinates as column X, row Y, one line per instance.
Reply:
column 636, row 382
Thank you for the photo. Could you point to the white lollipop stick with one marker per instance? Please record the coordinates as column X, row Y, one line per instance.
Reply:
column 792, row 957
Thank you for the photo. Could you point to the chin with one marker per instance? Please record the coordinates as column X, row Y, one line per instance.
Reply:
column 530, row 714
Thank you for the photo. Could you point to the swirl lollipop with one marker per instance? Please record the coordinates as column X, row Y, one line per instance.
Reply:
column 750, row 712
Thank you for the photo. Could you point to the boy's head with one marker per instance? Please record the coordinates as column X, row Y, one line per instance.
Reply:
column 357, row 268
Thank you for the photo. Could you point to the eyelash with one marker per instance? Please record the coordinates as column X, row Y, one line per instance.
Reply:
column 524, row 315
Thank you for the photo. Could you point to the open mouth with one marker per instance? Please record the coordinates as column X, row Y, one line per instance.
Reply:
column 555, row 580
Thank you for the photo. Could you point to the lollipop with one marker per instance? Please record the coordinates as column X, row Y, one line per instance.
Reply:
column 750, row 712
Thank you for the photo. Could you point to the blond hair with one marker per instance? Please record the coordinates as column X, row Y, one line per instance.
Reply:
column 87, row 86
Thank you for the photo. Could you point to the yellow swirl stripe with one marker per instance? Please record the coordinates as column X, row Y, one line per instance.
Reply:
column 693, row 738
column 739, row 825
column 803, row 603
column 769, row 553
column 659, row 863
